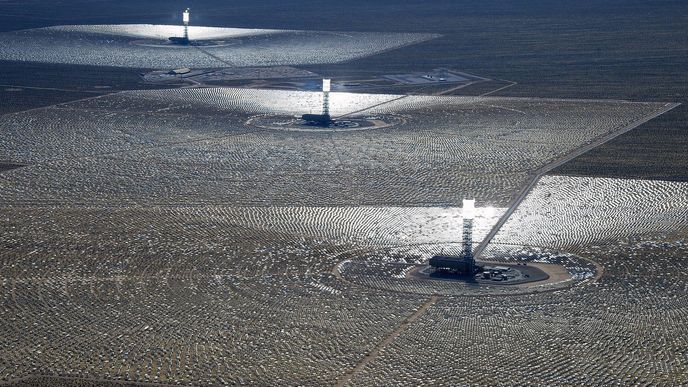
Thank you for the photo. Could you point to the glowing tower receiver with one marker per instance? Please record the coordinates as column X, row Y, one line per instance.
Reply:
column 326, row 86
column 468, row 209
column 186, row 16
column 468, row 215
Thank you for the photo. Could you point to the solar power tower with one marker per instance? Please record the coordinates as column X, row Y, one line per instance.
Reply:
column 468, row 215
column 464, row 263
column 186, row 16
column 326, row 86
column 324, row 119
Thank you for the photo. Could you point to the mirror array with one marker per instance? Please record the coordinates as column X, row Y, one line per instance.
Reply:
column 156, row 237
column 132, row 45
column 193, row 146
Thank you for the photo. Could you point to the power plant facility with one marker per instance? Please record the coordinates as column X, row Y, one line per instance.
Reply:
column 463, row 264
column 332, row 197
column 184, row 40
column 323, row 119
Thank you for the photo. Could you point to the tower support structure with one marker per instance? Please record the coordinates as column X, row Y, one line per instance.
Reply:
column 326, row 86
column 324, row 119
column 185, row 18
column 467, row 249
column 467, row 244
column 464, row 264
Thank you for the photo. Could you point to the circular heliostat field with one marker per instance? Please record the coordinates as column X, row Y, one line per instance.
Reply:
column 297, row 124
